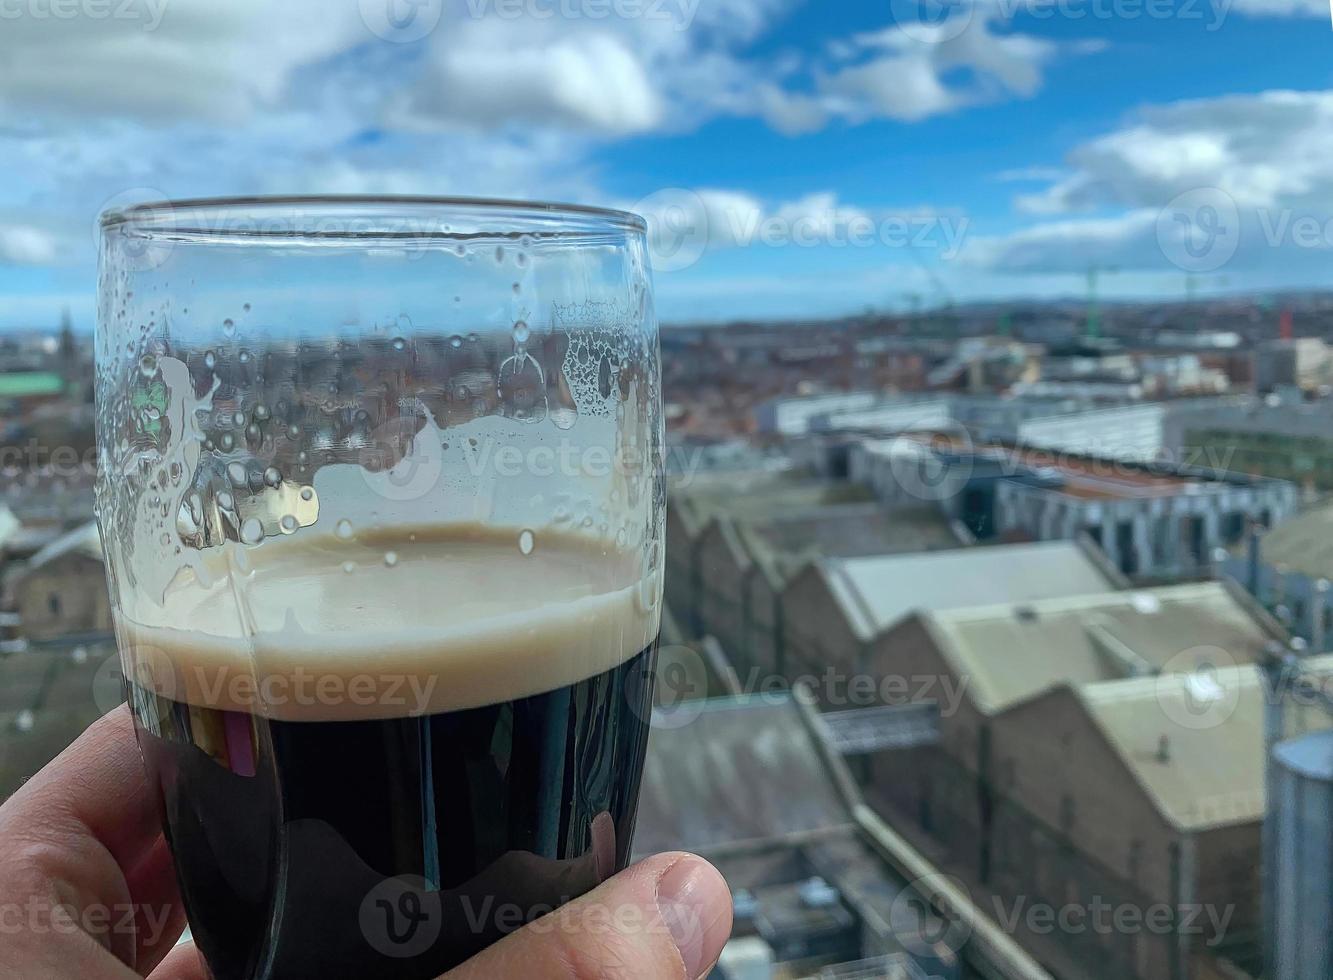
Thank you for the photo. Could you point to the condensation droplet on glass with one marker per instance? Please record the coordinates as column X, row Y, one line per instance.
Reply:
column 238, row 419
column 526, row 542
column 244, row 357
column 399, row 344
column 307, row 493
column 252, row 530
column 261, row 412
column 521, row 332
column 236, row 471
column 293, row 432
column 252, row 431
column 273, row 477
column 148, row 365
column 210, row 360
column 499, row 253
column 472, row 338
column 344, row 529
column 349, row 567
column 455, row 341
column 245, row 307
column 227, row 442
column 289, row 524
column 225, row 500
column 391, row 558
column 517, row 288
column 228, row 326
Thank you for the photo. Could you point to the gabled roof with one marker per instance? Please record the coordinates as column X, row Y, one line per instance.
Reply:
column 877, row 592
column 1012, row 652
column 84, row 540
column 1195, row 742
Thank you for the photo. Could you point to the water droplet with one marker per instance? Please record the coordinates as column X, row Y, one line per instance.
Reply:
column 455, row 341
column 227, row 441
column 521, row 332
column 289, row 524
column 236, row 471
column 307, row 493
column 225, row 500
column 238, row 419
column 273, row 477
column 245, row 307
column 518, row 289
column 472, row 338
column 458, row 299
column 293, row 432
column 344, row 529
column 399, row 344
column 252, row 432
column 252, row 530
column 261, row 412
column 244, row 357
column 210, row 360
column 391, row 558
column 148, row 365
column 526, row 542
column 349, row 567
column 499, row 253
column 521, row 258
column 228, row 327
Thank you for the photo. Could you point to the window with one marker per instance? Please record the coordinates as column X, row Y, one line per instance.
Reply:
column 53, row 603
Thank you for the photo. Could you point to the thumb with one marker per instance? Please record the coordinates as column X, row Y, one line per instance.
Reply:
column 664, row 919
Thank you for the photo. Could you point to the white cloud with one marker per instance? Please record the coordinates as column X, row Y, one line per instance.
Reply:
column 1260, row 165
column 1281, row 8
column 23, row 245
column 167, row 60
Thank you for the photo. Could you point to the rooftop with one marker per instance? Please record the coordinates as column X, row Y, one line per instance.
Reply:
column 1203, row 773
column 877, row 592
column 1303, row 544
column 1015, row 651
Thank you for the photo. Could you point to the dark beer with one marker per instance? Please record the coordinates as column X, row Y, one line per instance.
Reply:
column 384, row 813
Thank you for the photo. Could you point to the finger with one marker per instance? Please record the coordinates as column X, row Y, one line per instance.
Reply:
column 181, row 963
column 159, row 914
column 95, row 788
column 665, row 919
column 74, row 829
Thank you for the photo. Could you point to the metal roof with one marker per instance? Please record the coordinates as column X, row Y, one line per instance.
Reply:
column 1011, row 652
column 1303, row 544
column 877, row 592
column 1194, row 742
column 859, row 731
column 84, row 540
column 742, row 770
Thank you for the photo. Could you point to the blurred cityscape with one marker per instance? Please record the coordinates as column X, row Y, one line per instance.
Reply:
column 996, row 644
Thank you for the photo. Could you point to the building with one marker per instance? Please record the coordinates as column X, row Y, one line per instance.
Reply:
column 1285, row 438
column 822, row 888
column 1304, row 362
column 1151, row 521
column 62, row 588
column 835, row 609
column 1103, row 746
column 792, row 416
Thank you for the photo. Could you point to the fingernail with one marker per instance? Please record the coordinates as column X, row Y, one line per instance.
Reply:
column 695, row 904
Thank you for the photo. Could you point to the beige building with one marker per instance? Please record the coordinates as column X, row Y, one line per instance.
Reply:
column 62, row 588
column 834, row 609
column 1100, row 748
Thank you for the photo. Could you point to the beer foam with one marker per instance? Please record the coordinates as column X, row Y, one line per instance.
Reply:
column 389, row 623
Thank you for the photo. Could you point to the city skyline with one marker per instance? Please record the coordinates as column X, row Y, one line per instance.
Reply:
column 797, row 160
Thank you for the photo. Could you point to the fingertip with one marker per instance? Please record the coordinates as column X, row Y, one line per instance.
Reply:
column 694, row 901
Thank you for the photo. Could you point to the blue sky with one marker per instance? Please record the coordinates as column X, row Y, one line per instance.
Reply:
column 795, row 158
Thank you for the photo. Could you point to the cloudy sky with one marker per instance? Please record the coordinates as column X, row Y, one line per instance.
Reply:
column 796, row 157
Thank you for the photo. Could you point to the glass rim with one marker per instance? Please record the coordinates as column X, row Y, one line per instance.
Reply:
column 521, row 216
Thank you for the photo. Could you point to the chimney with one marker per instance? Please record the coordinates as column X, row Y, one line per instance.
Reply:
column 1164, row 749
column 1318, row 605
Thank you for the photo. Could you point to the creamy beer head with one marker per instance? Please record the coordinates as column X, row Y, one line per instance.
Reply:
column 389, row 623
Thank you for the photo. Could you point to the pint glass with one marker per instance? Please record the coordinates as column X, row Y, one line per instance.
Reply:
column 381, row 495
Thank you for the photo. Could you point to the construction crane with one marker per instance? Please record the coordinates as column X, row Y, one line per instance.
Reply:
column 1093, row 328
